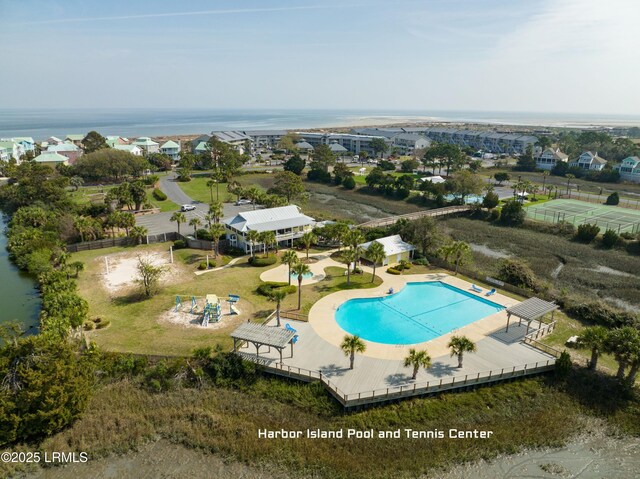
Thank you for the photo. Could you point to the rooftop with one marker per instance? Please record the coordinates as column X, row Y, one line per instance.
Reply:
column 532, row 308
column 170, row 144
column 392, row 245
column 49, row 157
column 269, row 219
column 263, row 335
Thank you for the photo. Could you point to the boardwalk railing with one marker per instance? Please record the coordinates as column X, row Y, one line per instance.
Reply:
column 294, row 315
column 390, row 220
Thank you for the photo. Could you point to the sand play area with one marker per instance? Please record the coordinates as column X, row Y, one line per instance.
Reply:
column 121, row 270
column 190, row 316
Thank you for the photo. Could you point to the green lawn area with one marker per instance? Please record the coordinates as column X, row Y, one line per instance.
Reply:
column 96, row 194
column 198, row 190
column 135, row 324
column 166, row 205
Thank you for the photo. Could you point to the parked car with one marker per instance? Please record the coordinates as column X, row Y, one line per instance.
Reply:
column 187, row 207
column 243, row 202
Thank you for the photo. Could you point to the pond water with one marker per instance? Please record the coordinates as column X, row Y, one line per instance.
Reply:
column 19, row 297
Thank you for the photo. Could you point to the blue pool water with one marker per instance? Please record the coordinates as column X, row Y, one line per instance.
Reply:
column 304, row 276
column 470, row 199
column 419, row 312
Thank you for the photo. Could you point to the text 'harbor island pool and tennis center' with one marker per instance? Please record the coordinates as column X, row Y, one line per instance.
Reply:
column 419, row 312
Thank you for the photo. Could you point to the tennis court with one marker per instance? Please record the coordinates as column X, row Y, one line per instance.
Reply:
column 577, row 212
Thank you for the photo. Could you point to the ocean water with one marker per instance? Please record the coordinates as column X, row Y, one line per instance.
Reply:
column 43, row 123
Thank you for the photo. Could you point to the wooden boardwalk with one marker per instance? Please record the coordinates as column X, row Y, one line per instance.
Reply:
column 390, row 220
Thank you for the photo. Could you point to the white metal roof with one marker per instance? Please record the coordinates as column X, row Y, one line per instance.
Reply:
column 269, row 219
column 392, row 245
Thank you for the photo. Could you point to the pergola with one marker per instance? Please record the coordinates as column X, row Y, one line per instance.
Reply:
column 261, row 335
column 531, row 309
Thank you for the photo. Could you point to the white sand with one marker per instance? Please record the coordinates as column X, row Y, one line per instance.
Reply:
column 123, row 268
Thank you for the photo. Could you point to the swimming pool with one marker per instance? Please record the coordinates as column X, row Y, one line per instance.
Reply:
column 419, row 312
column 304, row 276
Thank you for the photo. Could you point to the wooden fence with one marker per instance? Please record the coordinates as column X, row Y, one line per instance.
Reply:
column 149, row 239
column 390, row 220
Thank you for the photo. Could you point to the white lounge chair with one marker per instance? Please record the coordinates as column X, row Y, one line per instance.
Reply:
column 476, row 288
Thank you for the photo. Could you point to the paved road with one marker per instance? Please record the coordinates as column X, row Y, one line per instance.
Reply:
column 160, row 222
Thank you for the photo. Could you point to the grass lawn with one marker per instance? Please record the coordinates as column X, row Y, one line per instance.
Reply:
column 166, row 205
column 135, row 325
column 96, row 194
column 198, row 190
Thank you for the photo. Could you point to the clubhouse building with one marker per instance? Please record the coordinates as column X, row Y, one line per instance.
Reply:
column 287, row 222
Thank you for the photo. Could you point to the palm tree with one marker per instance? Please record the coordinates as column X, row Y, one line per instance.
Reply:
column 460, row 345
column 307, row 240
column 460, row 251
column 83, row 225
column 544, row 179
column 210, row 184
column 277, row 295
column 350, row 346
column 353, row 238
column 195, row 222
column 569, row 177
column 417, row 359
column 595, row 338
column 179, row 218
column 289, row 258
column 138, row 233
column 209, row 218
column 77, row 266
column 216, row 231
column 300, row 269
column 349, row 256
column 216, row 210
column 403, row 263
column 253, row 194
column 624, row 344
column 268, row 238
column 252, row 238
column 375, row 253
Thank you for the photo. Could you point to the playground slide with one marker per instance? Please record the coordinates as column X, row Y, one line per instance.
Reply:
column 234, row 309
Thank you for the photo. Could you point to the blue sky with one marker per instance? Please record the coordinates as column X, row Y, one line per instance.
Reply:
column 499, row 55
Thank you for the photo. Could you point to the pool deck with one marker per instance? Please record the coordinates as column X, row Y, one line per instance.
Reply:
column 381, row 366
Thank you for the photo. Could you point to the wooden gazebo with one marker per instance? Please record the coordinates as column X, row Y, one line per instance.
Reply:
column 532, row 309
column 261, row 335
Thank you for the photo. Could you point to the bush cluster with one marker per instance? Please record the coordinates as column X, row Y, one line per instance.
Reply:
column 265, row 289
column 393, row 271
column 263, row 260
column 159, row 194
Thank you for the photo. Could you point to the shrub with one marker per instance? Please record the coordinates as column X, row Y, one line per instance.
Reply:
column 89, row 325
column 179, row 244
column 490, row 200
column 259, row 261
column 609, row 238
column 202, row 265
column 234, row 251
column 265, row 289
column 103, row 324
column 563, row 365
column 628, row 236
column 421, row 262
column 512, row 213
column 613, row 199
column 587, row 233
column 204, row 234
column 393, row 271
column 349, row 183
column 598, row 312
column 518, row 273
column 494, row 215
column 151, row 180
column 159, row 195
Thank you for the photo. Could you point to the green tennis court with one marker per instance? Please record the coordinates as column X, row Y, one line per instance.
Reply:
column 577, row 212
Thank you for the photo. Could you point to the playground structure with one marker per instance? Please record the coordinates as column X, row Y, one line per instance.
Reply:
column 212, row 310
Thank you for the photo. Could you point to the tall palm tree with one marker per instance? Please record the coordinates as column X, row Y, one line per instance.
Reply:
column 252, row 238
column 350, row 346
column 300, row 269
column 289, row 258
column 209, row 219
column 569, row 177
column 253, row 194
column 460, row 345
column 349, row 256
column 417, row 359
column 595, row 338
column 138, row 233
column 216, row 231
column 216, row 210
column 195, row 222
column 460, row 251
column 624, row 344
column 268, row 238
column 277, row 295
column 353, row 238
column 307, row 240
column 210, row 185
column 544, row 179
column 179, row 218
column 375, row 254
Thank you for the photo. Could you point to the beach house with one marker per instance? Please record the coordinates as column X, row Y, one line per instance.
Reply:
column 51, row 158
column 287, row 222
column 11, row 149
column 589, row 161
column 171, row 149
column 69, row 150
column 75, row 139
column 147, row 145
column 395, row 250
column 629, row 169
column 133, row 149
column 550, row 157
